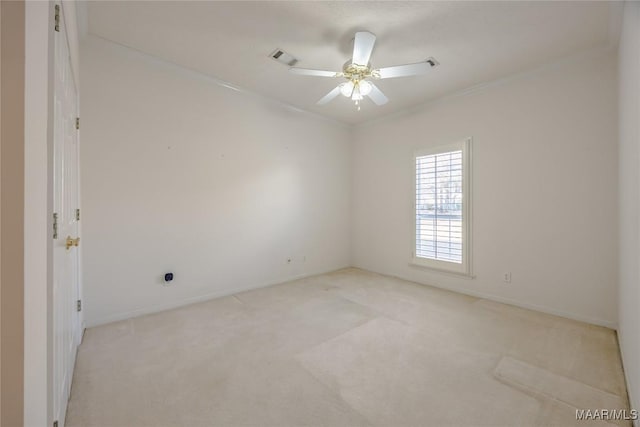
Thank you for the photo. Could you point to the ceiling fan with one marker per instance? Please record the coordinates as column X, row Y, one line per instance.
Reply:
column 359, row 73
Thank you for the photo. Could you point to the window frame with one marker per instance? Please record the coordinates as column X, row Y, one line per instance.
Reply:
column 464, row 268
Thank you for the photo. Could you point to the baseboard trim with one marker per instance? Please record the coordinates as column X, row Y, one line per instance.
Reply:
column 228, row 291
column 502, row 300
column 116, row 317
column 630, row 392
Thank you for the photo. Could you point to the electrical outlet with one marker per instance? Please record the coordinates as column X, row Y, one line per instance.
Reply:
column 506, row 277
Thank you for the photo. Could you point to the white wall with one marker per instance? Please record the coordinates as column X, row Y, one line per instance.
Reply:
column 37, row 231
column 544, row 188
column 218, row 186
column 629, row 293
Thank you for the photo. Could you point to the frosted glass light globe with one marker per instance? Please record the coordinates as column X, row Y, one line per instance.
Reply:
column 357, row 96
column 365, row 87
column 346, row 88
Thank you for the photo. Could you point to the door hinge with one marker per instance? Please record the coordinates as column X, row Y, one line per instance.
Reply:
column 55, row 225
column 78, row 214
column 57, row 18
column 79, row 305
column 77, row 122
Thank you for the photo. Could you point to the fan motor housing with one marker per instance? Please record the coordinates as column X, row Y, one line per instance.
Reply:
column 356, row 72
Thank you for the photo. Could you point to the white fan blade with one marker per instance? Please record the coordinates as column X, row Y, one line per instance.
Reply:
column 318, row 73
column 362, row 47
column 328, row 97
column 405, row 70
column 377, row 96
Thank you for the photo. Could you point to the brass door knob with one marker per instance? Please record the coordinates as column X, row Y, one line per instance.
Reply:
column 72, row 242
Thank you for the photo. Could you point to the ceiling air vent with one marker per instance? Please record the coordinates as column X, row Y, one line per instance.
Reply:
column 283, row 57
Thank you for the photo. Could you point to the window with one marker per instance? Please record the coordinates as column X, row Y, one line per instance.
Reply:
column 442, row 215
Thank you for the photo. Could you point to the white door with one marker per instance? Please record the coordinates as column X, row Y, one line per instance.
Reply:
column 66, row 319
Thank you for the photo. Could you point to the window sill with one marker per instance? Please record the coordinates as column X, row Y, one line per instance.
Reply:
column 462, row 275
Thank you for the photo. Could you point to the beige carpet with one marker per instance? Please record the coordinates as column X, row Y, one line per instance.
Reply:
column 350, row 348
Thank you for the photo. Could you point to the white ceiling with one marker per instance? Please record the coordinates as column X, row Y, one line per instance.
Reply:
column 474, row 42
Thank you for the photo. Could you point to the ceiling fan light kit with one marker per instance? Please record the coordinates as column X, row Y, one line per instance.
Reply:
column 359, row 73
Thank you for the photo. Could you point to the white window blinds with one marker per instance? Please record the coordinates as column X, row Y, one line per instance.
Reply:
column 440, row 206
